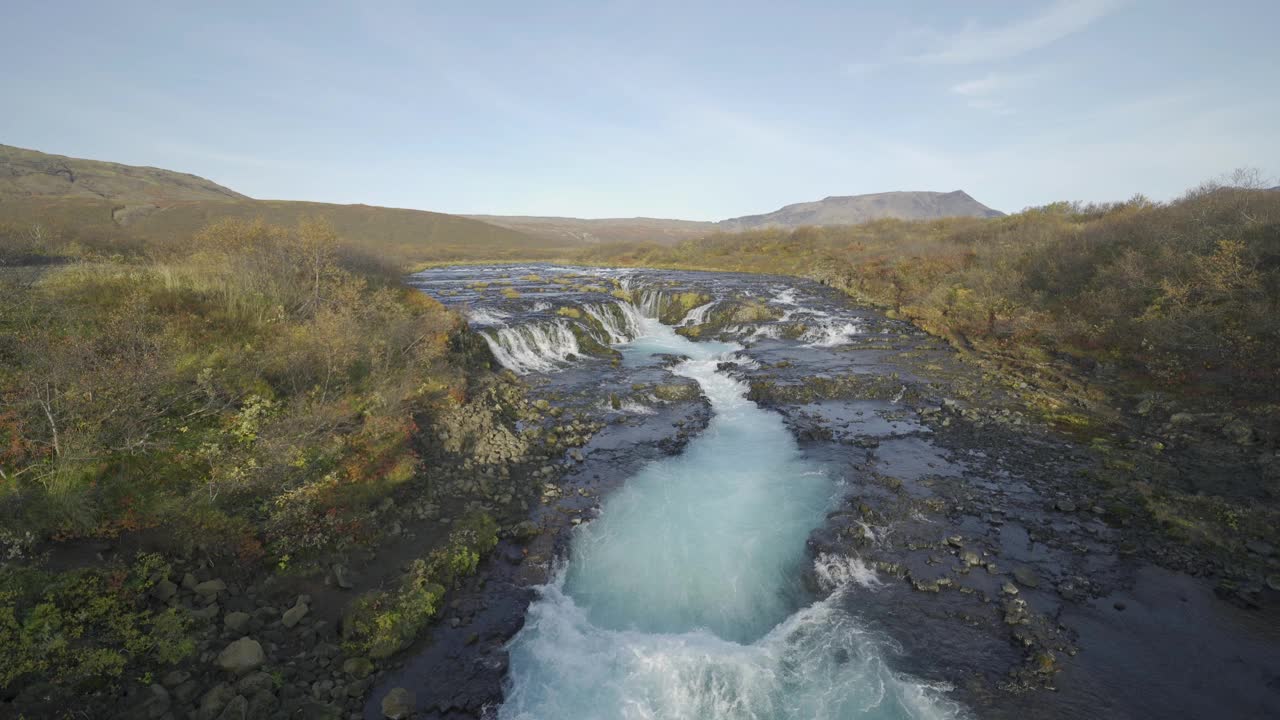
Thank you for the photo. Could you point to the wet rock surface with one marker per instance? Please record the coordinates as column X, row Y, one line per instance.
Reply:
column 981, row 545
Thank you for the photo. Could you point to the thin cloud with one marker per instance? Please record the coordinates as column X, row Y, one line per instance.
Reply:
column 990, row 84
column 975, row 43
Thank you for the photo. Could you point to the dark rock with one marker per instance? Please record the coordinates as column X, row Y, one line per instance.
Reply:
column 164, row 590
column 254, row 683
column 242, row 656
column 236, row 709
column 342, row 576
column 158, row 701
column 398, row 704
column 1026, row 577
column 294, row 615
column 358, row 667
column 237, row 622
column 214, row 702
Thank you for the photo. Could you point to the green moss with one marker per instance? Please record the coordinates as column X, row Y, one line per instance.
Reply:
column 382, row 623
column 676, row 306
column 675, row 392
column 86, row 627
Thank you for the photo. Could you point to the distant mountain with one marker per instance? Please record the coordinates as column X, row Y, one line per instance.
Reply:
column 846, row 210
column 855, row 209
column 33, row 174
column 602, row 230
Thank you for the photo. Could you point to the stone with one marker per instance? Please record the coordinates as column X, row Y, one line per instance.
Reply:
column 174, row 678
column 970, row 558
column 163, row 590
column 1065, row 505
column 214, row 701
column 158, row 701
column 1009, row 588
column 1273, row 582
column 236, row 709
column 1259, row 547
column 254, row 683
column 189, row 581
column 207, row 612
column 242, row 656
column 358, row 667
column 237, row 622
column 209, row 589
column 185, row 691
column 1026, row 577
column 294, row 615
column 342, row 576
column 398, row 704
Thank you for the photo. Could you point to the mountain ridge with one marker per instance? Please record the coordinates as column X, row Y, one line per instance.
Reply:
column 28, row 173
column 155, row 199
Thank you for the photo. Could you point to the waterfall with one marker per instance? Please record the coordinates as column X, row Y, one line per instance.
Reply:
column 698, row 315
column 619, row 320
column 649, row 302
column 534, row 347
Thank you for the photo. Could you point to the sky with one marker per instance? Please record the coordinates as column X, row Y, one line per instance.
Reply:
column 686, row 109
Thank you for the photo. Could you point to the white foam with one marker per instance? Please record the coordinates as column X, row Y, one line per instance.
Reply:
column 487, row 316
column 835, row 572
column 832, row 334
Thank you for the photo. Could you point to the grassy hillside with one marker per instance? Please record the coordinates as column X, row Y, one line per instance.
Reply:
column 251, row 398
column 575, row 231
column 30, row 173
column 398, row 236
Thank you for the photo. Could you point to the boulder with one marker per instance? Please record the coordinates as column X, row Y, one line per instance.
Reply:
column 209, row 589
column 358, row 667
column 398, row 704
column 1026, row 577
column 236, row 709
column 163, row 590
column 342, row 576
column 158, row 701
column 294, row 615
column 242, row 656
column 254, row 683
column 237, row 622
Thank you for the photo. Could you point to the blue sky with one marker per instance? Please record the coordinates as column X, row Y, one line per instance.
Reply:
column 669, row 109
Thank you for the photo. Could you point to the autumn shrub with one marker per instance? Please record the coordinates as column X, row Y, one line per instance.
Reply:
column 87, row 627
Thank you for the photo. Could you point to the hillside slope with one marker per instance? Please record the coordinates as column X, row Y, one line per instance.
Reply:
column 601, row 230
column 855, row 209
column 78, row 198
column 399, row 235
column 29, row 173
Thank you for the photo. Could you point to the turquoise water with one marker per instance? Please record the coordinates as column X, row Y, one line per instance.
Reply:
column 680, row 601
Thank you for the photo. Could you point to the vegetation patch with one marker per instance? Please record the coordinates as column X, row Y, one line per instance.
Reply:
column 382, row 623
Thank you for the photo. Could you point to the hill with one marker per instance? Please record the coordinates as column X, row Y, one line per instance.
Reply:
column 602, row 230
column 836, row 210
column 93, row 199
column 857, row 209
column 29, row 173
